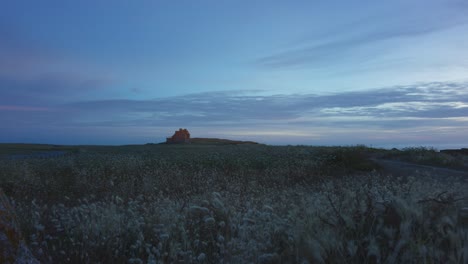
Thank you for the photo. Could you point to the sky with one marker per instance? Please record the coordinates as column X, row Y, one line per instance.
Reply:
column 379, row 73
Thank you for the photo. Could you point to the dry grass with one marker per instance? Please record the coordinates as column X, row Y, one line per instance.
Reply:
column 233, row 204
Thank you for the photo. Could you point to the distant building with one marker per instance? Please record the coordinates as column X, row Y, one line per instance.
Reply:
column 181, row 136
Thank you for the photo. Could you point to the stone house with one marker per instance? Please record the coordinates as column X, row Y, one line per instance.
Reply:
column 180, row 136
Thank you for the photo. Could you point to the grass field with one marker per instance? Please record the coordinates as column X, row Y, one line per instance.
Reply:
column 246, row 203
column 26, row 149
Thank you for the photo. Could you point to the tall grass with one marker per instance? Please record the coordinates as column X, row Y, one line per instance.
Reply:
column 233, row 204
column 429, row 156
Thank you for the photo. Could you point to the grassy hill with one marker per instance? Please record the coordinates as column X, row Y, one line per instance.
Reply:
column 214, row 141
column 219, row 141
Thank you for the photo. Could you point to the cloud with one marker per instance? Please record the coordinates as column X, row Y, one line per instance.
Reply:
column 436, row 110
column 48, row 89
column 22, row 58
column 342, row 44
column 22, row 108
column 33, row 76
column 427, row 100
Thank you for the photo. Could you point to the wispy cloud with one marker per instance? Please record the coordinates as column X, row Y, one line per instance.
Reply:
column 50, row 88
column 437, row 110
column 35, row 76
column 343, row 43
column 22, row 108
column 419, row 107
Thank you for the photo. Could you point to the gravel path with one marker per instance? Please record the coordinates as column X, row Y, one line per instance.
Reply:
column 402, row 168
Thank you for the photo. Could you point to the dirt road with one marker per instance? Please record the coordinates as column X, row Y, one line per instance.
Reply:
column 401, row 168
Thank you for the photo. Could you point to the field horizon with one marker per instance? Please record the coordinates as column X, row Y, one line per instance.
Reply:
column 225, row 141
column 218, row 203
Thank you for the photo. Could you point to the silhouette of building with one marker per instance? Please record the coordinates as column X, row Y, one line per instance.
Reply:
column 180, row 136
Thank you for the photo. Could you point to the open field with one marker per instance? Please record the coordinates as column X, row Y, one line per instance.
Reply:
column 28, row 149
column 238, row 204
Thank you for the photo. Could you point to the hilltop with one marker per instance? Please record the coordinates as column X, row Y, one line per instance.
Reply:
column 219, row 141
column 216, row 141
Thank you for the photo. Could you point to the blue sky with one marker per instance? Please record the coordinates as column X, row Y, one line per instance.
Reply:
column 388, row 73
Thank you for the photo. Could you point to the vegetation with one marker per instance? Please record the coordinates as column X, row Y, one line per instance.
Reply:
column 429, row 156
column 25, row 149
column 219, row 141
column 233, row 204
